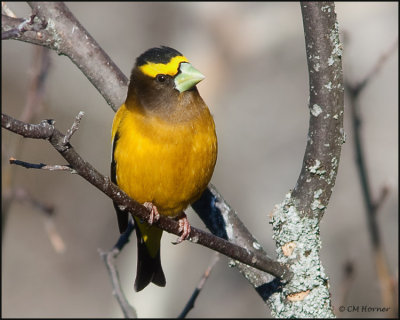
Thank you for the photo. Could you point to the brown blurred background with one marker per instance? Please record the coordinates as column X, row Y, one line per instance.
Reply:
column 256, row 85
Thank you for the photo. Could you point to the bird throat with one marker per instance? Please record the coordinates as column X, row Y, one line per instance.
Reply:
column 182, row 108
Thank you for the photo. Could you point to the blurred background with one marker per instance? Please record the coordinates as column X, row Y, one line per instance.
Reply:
column 253, row 56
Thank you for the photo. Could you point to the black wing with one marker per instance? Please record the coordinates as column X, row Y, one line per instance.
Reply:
column 121, row 215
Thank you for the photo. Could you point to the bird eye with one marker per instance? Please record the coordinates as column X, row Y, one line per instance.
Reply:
column 161, row 77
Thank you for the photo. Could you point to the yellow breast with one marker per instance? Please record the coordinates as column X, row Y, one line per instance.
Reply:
column 168, row 164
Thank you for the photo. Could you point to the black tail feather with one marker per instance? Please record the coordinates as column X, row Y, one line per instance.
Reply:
column 148, row 268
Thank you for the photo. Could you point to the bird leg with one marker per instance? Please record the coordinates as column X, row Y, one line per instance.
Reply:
column 184, row 227
column 154, row 215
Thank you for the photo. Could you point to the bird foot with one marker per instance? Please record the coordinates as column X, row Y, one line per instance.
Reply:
column 184, row 227
column 154, row 215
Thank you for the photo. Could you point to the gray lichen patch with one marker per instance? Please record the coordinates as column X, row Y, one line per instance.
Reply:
column 307, row 294
column 57, row 39
column 316, row 110
column 316, row 168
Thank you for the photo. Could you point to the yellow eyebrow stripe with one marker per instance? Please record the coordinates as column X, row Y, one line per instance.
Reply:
column 171, row 68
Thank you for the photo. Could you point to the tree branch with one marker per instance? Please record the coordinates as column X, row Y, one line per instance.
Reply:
column 46, row 130
column 109, row 260
column 372, row 205
column 190, row 304
column 325, row 133
column 42, row 166
column 354, row 92
column 295, row 221
column 56, row 28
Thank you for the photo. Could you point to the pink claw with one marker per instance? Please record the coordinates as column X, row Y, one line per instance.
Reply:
column 154, row 215
column 184, row 227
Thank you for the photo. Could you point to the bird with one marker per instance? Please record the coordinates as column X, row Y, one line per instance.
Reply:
column 164, row 150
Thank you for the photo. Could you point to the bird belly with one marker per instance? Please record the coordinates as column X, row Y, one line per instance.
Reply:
column 168, row 165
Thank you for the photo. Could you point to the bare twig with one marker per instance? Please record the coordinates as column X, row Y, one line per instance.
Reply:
column 357, row 88
column 354, row 91
column 190, row 304
column 42, row 166
column 109, row 260
column 371, row 205
column 46, row 130
column 74, row 127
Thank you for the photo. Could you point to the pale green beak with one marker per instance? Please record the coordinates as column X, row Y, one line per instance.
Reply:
column 188, row 77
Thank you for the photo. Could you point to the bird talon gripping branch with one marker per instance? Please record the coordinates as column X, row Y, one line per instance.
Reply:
column 184, row 228
column 164, row 150
column 154, row 215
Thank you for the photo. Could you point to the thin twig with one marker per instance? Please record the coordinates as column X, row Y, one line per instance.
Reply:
column 375, row 69
column 109, row 260
column 55, row 167
column 371, row 205
column 74, row 127
column 190, row 304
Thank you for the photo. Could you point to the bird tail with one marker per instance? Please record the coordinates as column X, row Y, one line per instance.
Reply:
column 148, row 263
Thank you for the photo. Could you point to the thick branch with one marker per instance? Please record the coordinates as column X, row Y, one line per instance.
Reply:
column 325, row 134
column 85, row 170
column 295, row 221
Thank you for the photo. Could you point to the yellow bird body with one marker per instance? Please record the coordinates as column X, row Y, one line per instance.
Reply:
column 168, row 164
column 164, row 152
